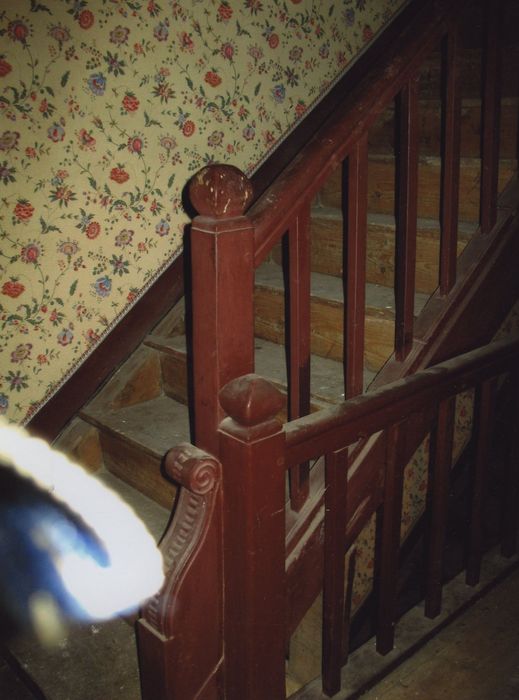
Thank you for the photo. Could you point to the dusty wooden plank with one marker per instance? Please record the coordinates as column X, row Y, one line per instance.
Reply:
column 381, row 179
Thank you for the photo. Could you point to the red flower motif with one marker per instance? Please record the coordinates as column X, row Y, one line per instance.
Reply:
column 119, row 175
column 30, row 253
column 224, row 12
column 135, row 144
column 367, row 33
column 130, row 102
column 212, row 79
column 189, row 128
column 18, row 30
column 86, row 19
column 23, row 210
column 93, row 230
column 5, row 68
column 227, row 51
column 12, row 289
column 273, row 41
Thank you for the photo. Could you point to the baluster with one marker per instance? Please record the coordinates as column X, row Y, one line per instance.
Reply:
column 335, row 498
column 185, row 619
column 355, row 216
column 390, row 538
column 222, row 255
column 510, row 508
column 451, row 134
column 252, row 454
column 440, row 461
column 493, row 17
column 299, row 340
column 406, row 213
column 484, row 406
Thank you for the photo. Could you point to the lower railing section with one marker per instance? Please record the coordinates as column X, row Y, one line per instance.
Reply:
column 219, row 629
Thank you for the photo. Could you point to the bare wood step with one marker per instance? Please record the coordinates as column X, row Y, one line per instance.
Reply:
column 381, row 136
column 327, row 248
column 326, row 310
column 134, row 440
column 381, row 182
column 326, row 374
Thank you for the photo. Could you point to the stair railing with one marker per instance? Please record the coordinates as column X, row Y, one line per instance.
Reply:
column 255, row 579
column 227, row 244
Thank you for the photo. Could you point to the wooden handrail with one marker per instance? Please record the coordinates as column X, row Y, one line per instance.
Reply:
column 333, row 428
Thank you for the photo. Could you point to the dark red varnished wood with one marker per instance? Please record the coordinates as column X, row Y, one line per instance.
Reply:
column 180, row 633
column 440, row 461
column 336, row 464
column 299, row 339
column 493, row 18
column 355, row 214
column 406, row 210
column 390, row 538
column 222, row 257
column 484, row 406
column 451, row 134
column 254, row 542
column 510, row 514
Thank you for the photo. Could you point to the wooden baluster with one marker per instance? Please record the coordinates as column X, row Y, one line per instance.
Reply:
column 493, row 18
column 299, row 340
column 184, row 621
column 440, row 461
column 335, row 497
column 390, row 538
column 222, row 255
column 252, row 454
column 450, row 177
column 406, row 213
column 484, row 406
column 510, row 508
column 351, row 561
column 355, row 216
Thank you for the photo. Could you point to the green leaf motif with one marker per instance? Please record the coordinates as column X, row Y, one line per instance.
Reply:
column 64, row 78
column 73, row 288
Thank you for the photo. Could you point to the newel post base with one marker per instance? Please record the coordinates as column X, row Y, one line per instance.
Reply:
column 252, row 453
column 180, row 633
column 222, row 263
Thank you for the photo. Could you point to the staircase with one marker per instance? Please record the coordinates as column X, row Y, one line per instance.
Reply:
column 123, row 432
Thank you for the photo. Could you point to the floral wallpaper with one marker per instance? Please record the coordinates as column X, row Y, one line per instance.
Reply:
column 107, row 107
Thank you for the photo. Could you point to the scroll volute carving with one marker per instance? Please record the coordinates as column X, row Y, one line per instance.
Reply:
column 191, row 548
column 220, row 192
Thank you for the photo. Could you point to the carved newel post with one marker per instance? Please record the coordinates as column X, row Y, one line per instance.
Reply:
column 253, row 473
column 222, row 263
column 180, row 633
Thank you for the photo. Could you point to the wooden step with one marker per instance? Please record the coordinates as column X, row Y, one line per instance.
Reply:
column 270, row 362
column 326, row 311
column 327, row 248
column 134, row 440
column 381, row 182
column 382, row 134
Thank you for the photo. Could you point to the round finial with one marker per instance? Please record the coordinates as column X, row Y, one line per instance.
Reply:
column 251, row 400
column 220, row 191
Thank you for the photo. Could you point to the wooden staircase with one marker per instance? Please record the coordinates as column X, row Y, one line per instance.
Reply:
column 142, row 410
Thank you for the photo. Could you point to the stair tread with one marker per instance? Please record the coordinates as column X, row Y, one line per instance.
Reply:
column 156, row 425
column 330, row 288
column 428, row 228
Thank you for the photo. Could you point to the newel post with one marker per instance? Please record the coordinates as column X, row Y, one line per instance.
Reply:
column 253, row 474
column 222, row 263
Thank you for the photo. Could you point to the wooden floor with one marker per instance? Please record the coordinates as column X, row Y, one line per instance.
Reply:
column 475, row 658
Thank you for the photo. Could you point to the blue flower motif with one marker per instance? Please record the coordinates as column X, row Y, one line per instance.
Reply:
column 97, row 83
column 103, row 286
column 4, row 404
column 278, row 93
column 162, row 228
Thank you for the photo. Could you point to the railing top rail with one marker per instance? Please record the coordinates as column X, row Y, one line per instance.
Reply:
column 333, row 428
column 273, row 211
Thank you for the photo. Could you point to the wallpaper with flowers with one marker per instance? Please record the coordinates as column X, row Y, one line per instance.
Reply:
column 107, row 108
